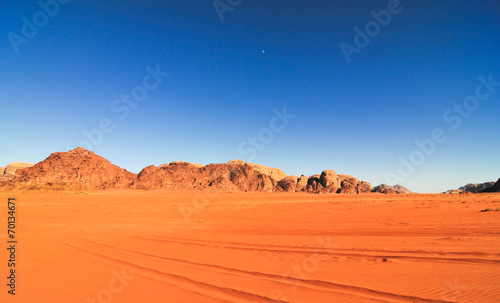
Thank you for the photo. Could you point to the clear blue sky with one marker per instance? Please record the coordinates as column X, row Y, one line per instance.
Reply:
column 226, row 77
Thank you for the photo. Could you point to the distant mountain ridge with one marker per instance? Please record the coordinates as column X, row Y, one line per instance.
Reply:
column 471, row 188
column 80, row 169
column 388, row 189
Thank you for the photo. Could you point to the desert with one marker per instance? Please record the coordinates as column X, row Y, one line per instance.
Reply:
column 256, row 247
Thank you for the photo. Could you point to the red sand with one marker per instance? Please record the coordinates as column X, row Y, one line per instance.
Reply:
column 139, row 246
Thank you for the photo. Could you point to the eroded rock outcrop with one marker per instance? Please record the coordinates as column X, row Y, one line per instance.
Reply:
column 77, row 169
column 288, row 184
column 275, row 173
column 220, row 177
column 302, row 183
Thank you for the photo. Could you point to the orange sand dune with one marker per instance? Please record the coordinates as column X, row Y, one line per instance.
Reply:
column 189, row 246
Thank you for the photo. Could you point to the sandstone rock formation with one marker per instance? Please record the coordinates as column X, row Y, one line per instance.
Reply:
column 288, row 184
column 388, row 189
column 302, row 183
column 77, row 169
column 275, row 173
column 329, row 177
column 80, row 169
column 314, row 184
column 220, row 177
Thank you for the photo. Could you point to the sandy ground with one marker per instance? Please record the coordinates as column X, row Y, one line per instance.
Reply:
column 188, row 246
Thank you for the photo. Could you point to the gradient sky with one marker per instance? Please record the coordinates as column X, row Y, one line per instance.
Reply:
column 226, row 77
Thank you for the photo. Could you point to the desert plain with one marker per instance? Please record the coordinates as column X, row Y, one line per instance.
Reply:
column 201, row 246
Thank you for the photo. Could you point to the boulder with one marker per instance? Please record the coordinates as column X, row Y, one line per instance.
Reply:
column 302, row 183
column 364, row 187
column 330, row 189
column 349, row 186
column 288, row 184
column 329, row 177
column 314, row 184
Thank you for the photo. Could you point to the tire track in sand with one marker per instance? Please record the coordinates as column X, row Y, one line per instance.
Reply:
column 316, row 285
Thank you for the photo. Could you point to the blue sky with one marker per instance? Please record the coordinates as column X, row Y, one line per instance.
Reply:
column 225, row 78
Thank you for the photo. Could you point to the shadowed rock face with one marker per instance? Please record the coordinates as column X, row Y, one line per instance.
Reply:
column 493, row 189
column 288, row 184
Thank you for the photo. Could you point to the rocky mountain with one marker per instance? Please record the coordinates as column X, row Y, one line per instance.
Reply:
column 495, row 188
column 77, row 169
column 388, row 189
column 471, row 188
column 80, row 169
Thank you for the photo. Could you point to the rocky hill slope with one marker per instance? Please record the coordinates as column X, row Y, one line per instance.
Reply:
column 77, row 169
